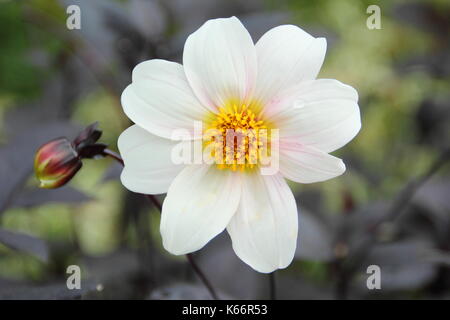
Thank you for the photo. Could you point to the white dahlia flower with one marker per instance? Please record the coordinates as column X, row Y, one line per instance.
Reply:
column 228, row 83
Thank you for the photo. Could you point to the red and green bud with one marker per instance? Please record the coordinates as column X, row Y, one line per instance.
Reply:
column 56, row 162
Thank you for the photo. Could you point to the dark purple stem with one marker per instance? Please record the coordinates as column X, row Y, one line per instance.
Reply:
column 273, row 286
column 190, row 258
column 202, row 276
column 114, row 155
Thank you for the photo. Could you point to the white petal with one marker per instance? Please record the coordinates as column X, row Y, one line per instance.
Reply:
column 198, row 206
column 264, row 229
column 305, row 164
column 323, row 114
column 286, row 55
column 220, row 62
column 148, row 165
column 160, row 99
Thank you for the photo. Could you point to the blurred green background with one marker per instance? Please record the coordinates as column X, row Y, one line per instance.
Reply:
column 54, row 81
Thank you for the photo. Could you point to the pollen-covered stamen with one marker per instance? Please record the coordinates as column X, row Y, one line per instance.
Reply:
column 239, row 135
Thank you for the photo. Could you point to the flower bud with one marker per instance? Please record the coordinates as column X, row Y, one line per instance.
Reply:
column 56, row 162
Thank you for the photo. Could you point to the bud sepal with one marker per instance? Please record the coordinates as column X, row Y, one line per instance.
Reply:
column 57, row 161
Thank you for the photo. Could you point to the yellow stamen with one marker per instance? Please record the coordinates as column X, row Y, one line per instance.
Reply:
column 240, row 145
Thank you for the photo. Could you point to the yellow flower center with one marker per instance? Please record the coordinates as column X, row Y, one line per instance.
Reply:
column 237, row 137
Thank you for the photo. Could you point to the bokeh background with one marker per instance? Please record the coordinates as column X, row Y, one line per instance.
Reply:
column 391, row 208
